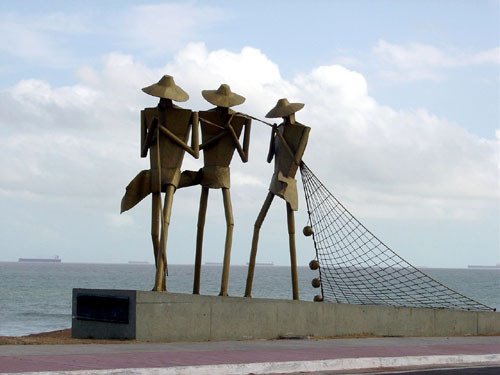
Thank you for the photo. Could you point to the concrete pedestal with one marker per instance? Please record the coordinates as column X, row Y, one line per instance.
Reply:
column 155, row 316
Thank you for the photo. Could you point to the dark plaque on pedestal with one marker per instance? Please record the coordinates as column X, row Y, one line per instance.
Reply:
column 111, row 309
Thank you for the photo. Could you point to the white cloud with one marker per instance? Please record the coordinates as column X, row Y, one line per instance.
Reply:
column 249, row 73
column 37, row 92
column 414, row 61
column 334, row 86
column 240, row 179
column 82, row 140
column 491, row 56
column 160, row 28
column 413, row 54
column 413, row 159
column 116, row 220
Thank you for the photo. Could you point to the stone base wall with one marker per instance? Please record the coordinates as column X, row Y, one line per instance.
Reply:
column 153, row 316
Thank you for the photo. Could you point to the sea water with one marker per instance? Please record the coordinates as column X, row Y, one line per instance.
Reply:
column 36, row 297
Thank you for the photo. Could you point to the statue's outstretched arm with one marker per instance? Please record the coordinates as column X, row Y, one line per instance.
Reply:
column 271, row 152
column 216, row 137
column 236, row 141
column 297, row 155
column 242, row 151
column 195, row 138
column 302, row 145
column 194, row 150
column 147, row 134
column 246, row 139
column 179, row 142
column 144, row 131
column 212, row 140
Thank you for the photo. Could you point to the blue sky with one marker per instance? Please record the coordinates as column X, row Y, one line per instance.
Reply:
column 58, row 36
column 402, row 96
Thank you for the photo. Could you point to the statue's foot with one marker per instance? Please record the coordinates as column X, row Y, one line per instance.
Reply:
column 159, row 288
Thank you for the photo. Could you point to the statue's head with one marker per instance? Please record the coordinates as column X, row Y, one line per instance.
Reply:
column 223, row 97
column 166, row 88
column 284, row 108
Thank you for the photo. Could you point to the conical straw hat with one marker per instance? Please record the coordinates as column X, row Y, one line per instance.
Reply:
column 284, row 108
column 167, row 89
column 223, row 96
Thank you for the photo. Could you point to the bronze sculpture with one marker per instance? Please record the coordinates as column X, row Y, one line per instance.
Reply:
column 164, row 132
column 221, row 128
column 287, row 145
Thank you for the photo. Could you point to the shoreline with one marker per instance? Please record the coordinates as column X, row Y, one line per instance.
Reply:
column 58, row 337
column 63, row 337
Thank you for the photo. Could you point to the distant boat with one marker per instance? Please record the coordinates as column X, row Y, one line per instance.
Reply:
column 56, row 259
column 263, row 263
column 479, row 267
column 137, row 262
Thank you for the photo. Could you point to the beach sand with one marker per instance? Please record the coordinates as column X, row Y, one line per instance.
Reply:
column 62, row 337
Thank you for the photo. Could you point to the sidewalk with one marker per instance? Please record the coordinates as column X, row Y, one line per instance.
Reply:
column 258, row 357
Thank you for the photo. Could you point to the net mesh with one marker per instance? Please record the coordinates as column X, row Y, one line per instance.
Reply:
column 357, row 268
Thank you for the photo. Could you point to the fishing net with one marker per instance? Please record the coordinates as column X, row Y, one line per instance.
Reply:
column 358, row 268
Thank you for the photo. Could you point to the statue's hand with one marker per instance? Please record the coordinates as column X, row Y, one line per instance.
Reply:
column 154, row 124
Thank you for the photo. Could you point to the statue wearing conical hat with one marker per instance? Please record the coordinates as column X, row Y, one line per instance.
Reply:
column 221, row 128
column 287, row 146
column 165, row 131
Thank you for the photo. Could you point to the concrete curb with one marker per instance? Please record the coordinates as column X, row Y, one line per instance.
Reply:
column 298, row 366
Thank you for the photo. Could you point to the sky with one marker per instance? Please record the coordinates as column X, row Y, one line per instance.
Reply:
column 402, row 97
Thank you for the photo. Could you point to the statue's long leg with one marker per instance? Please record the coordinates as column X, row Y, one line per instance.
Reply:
column 293, row 252
column 228, row 211
column 255, row 242
column 199, row 239
column 160, row 282
column 155, row 224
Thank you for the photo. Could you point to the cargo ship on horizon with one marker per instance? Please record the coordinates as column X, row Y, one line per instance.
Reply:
column 55, row 259
column 496, row 267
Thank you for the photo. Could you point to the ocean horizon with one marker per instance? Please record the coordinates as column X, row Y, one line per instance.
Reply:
column 36, row 297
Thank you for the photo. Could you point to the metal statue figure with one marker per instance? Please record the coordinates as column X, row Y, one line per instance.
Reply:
column 287, row 145
column 165, row 132
column 221, row 128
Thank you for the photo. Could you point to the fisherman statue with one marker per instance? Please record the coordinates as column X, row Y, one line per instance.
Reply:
column 287, row 146
column 221, row 128
column 165, row 131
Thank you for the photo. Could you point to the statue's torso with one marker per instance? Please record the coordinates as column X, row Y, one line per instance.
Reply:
column 221, row 152
column 177, row 121
column 283, row 161
column 283, row 183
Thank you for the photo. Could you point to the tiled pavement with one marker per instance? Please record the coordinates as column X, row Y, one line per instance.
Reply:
column 260, row 356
